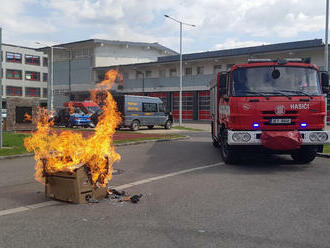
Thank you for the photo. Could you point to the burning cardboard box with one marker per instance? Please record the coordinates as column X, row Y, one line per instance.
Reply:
column 74, row 187
column 73, row 167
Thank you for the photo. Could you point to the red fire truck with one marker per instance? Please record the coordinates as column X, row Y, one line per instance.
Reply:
column 275, row 106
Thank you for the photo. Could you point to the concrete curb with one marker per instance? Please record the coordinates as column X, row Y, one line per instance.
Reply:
column 323, row 155
column 118, row 145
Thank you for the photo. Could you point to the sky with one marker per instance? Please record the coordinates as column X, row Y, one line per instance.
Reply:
column 220, row 24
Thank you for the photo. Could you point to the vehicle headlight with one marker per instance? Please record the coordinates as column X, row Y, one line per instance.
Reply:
column 318, row 136
column 246, row 137
column 237, row 137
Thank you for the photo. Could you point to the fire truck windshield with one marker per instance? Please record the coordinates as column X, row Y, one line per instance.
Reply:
column 278, row 80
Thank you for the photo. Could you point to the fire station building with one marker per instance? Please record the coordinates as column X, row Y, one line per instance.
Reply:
column 161, row 77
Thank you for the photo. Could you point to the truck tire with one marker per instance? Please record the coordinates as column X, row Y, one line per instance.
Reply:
column 135, row 125
column 168, row 124
column 150, row 126
column 228, row 155
column 304, row 156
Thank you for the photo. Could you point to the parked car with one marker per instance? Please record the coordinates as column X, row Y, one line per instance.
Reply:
column 143, row 111
column 63, row 117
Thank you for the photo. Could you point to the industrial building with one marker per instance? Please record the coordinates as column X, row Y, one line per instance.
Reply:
column 74, row 63
column 24, row 73
column 161, row 78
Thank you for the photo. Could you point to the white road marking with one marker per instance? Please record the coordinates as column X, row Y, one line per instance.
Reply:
column 148, row 180
column 120, row 187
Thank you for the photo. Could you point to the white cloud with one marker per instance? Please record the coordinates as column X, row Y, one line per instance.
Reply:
column 143, row 20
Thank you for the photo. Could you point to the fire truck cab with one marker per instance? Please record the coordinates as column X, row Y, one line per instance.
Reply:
column 273, row 106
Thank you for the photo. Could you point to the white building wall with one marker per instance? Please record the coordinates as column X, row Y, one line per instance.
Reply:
column 106, row 55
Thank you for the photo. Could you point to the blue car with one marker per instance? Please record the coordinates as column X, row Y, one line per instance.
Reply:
column 80, row 120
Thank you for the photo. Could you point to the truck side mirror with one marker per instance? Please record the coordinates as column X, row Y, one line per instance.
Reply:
column 325, row 82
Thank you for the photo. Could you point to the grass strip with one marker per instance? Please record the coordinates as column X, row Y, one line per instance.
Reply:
column 13, row 144
column 326, row 149
column 187, row 128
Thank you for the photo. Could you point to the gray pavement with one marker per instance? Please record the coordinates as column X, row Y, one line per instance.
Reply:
column 261, row 202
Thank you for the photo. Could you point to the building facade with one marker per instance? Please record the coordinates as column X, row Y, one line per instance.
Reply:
column 161, row 78
column 24, row 73
column 74, row 63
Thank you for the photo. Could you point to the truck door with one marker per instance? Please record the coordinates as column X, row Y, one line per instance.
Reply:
column 223, row 106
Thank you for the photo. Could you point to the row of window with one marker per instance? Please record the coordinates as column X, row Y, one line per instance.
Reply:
column 187, row 71
column 29, row 75
column 29, row 91
column 12, row 57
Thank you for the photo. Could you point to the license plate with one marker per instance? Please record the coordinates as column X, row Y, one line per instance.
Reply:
column 280, row 121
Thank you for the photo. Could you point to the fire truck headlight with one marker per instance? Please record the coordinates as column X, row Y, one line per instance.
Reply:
column 241, row 137
column 318, row 136
column 246, row 137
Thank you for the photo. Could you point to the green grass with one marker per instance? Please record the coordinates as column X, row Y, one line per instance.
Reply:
column 187, row 128
column 326, row 149
column 13, row 144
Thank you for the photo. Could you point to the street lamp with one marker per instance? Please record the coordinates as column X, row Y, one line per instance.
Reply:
column 50, row 103
column 180, row 93
column 326, row 65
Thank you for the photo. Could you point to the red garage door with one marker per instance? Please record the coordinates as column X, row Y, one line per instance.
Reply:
column 187, row 105
column 161, row 95
column 204, row 105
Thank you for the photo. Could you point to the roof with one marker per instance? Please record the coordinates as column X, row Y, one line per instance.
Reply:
column 118, row 42
column 11, row 45
column 246, row 51
column 316, row 43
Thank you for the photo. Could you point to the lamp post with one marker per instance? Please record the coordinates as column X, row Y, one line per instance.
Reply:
column 1, row 88
column 326, row 58
column 50, row 102
column 180, row 92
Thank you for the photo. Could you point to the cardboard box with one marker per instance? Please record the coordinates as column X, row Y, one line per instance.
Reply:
column 75, row 187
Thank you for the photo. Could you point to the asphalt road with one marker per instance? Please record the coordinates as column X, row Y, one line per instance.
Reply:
column 262, row 202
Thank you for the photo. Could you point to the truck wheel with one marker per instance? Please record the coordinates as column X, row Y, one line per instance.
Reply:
column 168, row 124
column 228, row 155
column 304, row 156
column 151, row 126
column 135, row 125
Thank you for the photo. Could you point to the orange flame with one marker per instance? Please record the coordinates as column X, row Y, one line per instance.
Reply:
column 69, row 150
column 27, row 117
column 71, row 108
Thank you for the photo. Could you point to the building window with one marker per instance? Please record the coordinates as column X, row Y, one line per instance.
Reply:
column 139, row 74
column 173, row 72
column 32, row 92
column 162, row 73
column 200, row 70
column 148, row 74
column 13, row 57
column 32, row 60
column 32, row 75
column 217, row 68
column 13, row 91
column 45, row 61
column 44, row 92
column 188, row 71
column 14, row 74
column 44, row 77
